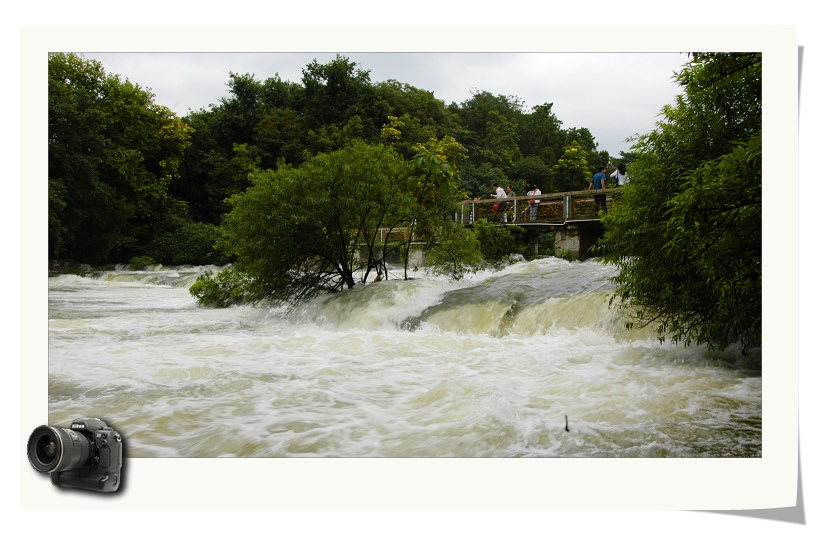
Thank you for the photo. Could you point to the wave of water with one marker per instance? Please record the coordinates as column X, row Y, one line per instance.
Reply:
column 497, row 365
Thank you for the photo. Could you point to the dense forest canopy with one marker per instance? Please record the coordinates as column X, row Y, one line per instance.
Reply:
column 129, row 178
column 114, row 157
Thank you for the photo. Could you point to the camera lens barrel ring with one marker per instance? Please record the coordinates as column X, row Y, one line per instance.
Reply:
column 54, row 449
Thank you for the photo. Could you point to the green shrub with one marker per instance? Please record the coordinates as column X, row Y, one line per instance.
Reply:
column 140, row 263
column 498, row 242
column 193, row 243
column 546, row 244
column 228, row 287
column 456, row 254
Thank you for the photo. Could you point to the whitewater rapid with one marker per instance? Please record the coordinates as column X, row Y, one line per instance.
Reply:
column 497, row 365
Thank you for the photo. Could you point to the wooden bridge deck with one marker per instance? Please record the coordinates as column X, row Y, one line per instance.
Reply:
column 574, row 216
column 556, row 209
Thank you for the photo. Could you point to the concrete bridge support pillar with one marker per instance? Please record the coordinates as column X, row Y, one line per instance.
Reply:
column 568, row 243
column 574, row 240
column 534, row 235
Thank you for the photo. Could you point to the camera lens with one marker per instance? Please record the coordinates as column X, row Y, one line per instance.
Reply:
column 52, row 449
column 46, row 449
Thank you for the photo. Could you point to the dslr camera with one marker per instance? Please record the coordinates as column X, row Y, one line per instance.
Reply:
column 86, row 456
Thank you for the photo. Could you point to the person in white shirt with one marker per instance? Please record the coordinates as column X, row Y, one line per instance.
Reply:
column 500, row 194
column 534, row 202
column 619, row 176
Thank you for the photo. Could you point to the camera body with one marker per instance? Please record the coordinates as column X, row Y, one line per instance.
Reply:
column 88, row 455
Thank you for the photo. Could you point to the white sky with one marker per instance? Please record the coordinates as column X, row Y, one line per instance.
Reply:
column 614, row 95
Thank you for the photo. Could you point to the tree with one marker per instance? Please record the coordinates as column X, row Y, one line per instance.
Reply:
column 528, row 171
column 242, row 110
column 478, row 179
column 405, row 132
column 491, row 137
column 457, row 251
column 337, row 91
column 475, row 112
column 278, row 93
column 541, row 135
column 583, row 137
column 113, row 157
column 298, row 231
column 192, row 243
column 686, row 232
column 280, row 133
column 571, row 172
column 436, row 190
column 500, row 146
column 404, row 100
column 498, row 242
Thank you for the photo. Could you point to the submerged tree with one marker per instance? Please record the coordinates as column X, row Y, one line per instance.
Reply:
column 686, row 232
column 298, row 231
column 321, row 227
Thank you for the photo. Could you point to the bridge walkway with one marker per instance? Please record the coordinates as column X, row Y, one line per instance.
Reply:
column 556, row 209
column 574, row 216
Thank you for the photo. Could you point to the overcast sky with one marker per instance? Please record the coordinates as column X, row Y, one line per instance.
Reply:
column 614, row 95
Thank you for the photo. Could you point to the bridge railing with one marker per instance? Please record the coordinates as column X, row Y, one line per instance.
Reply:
column 550, row 209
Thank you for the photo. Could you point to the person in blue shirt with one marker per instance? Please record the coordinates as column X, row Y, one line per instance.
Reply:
column 599, row 183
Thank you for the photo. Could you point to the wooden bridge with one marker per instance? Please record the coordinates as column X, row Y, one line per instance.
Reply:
column 574, row 216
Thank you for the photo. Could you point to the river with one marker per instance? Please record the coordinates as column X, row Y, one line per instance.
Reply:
column 527, row 361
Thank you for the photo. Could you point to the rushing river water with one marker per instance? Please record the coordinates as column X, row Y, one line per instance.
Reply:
column 498, row 365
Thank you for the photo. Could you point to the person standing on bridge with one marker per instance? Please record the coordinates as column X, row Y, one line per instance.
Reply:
column 499, row 195
column 599, row 183
column 619, row 176
column 534, row 202
column 510, row 193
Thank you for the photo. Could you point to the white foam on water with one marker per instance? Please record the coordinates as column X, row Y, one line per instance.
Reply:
column 491, row 366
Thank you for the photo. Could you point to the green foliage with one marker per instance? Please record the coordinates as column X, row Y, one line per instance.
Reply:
column 582, row 138
column 498, row 242
column 140, row 263
column 528, row 171
column 241, row 111
column 113, row 156
column 337, row 91
column 571, row 172
column 298, row 231
column 500, row 145
column 336, row 104
column 456, row 253
column 435, row 191
column 126, row 174
column 541, row 136
column 228, row 287
column 280, row 134
column 193, row 243
column 418, row 106
column 546, row 244
column 714, row 229
column 483, row 110
column 478, row 180
column 686, row 232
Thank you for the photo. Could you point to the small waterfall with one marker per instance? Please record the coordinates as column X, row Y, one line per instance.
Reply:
column 488, row 366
